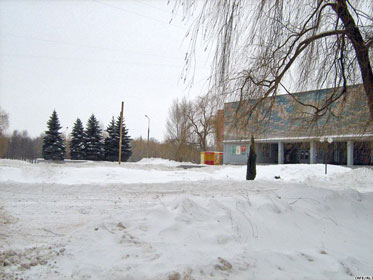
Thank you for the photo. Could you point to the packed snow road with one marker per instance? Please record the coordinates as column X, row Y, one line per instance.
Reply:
column 153, row 220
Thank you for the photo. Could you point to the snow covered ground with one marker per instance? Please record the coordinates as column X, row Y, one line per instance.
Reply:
column 154, row 220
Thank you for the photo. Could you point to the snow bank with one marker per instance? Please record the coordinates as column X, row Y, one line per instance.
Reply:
column 161, row 161
column 165, row 171
column 154, row 220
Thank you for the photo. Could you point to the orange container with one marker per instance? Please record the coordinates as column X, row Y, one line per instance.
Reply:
column 212, row 158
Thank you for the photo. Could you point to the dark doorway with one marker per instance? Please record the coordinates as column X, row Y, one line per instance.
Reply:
column 362, row 153
column 290, row 152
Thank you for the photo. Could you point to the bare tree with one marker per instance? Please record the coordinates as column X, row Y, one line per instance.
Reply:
column 179, row 131
column 3, row 127
column 22, row 146
column 3, row 121
column 156, row 149
column 202, row 115
column 178, row 124
column 262, row 46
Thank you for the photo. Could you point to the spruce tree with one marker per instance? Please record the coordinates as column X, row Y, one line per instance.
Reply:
column 126, row 140
column 93, row 140
column 53, row 145
column 111, row 142
column 77, row 145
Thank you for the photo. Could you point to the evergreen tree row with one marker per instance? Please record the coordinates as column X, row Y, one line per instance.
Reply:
column 89, row 143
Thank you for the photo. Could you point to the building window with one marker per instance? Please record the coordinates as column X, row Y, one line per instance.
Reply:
column 266, row 150
column 243, row 150
column 238, row 150
column 304, row 155
column 320, row 155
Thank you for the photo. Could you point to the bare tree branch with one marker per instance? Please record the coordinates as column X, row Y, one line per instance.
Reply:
column 263, row 47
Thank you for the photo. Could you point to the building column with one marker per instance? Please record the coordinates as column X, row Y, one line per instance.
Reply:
column 280, row 152
column 350, row 153
column 312, row 152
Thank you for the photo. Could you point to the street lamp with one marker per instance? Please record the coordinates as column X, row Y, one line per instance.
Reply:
column 329, row 140
column 66, row 134
column 66, row 140
column 146, row 116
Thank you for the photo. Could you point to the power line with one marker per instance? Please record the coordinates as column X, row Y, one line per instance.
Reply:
column 92, row 60
column 146, row 4
column 136, row 13
column 86, row 46
column 76, row 59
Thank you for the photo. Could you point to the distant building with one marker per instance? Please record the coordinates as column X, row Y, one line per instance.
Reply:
column 285, row 133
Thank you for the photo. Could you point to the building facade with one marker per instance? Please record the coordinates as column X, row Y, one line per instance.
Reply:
column 286, row 132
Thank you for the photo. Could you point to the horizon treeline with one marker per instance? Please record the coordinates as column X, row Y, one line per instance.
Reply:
column 192, row 127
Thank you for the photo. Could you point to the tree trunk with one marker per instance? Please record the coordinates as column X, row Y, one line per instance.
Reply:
column 362, row 51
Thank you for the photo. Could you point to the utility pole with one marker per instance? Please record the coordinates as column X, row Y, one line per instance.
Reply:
column 147, row 146
column 120, row 134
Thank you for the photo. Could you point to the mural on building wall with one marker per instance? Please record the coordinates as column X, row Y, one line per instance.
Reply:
column 282, row 116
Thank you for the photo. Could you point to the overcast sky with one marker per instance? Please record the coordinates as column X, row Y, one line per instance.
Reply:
column 84, row 57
